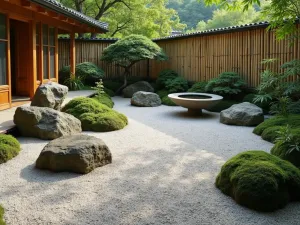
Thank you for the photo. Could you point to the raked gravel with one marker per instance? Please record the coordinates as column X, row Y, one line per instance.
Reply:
column 163, row 172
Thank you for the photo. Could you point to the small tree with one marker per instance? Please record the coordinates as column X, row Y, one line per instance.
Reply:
column 130, row 50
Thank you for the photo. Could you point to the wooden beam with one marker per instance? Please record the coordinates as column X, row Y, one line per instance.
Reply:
column 25, row 3
column 53, row 14
column 41, row 9
column 72, row 54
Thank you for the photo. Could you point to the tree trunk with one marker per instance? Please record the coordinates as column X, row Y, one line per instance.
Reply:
column 126, row 73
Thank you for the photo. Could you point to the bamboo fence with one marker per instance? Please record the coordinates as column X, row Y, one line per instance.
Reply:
column 199, row 57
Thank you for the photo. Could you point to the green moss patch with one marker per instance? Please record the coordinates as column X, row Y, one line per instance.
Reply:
column 1, row 216
column 104, row 99
column 292, row 120
column 9, row 147
column 165, row 100
column 95, row 116
column 259, row 181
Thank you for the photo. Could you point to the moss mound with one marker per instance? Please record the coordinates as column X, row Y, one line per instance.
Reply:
column 270, row 134
column 104, row 99
column 292, row 120
column 281, row 151
column 259, row 181
column 9, row 147
column 1, row 216
column 95, row 116
column 103, row 122
column 224, row 104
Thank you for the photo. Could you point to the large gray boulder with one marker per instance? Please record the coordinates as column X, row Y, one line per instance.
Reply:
column 138, row 86
column 45, row 123
column 76, row 153
column 50, row 95
column 145, row 99
column 243, row 114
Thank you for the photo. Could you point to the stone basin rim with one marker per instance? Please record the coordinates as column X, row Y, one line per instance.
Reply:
column 213, row 97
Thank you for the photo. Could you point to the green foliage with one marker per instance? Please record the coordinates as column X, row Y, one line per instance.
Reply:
column 281, row 13
column 2, row 222
column 167, row 101
column 224, row 18
column 179, row 84
column 259, row 181
column 198, row 87
column 87, row 72
column 228, row 83
column 294, row 107
column 222, row 105
column 164, row 76
column 95, row 116
column 9, row 147
column 292, row 120
column 131, row 50
column 74, row 83
column 281, row 106
column 265, row 105
column 112, row 85
column 287, row 145
column 104, row 99
column 271, row 133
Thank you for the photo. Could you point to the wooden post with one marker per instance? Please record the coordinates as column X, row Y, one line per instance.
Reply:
column 8, row 66
column 56, row 54
column 72, row 53
column 32, row 45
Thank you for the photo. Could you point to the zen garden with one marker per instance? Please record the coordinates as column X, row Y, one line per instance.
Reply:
column 139, row 112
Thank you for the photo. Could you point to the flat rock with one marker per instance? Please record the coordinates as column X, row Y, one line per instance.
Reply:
column 75, row 153
column 243, row 114
column 145, row 99
column 45, row 123
column 50, row 95
column 138, row 86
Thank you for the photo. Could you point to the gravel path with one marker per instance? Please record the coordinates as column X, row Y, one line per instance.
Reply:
column 163, row 172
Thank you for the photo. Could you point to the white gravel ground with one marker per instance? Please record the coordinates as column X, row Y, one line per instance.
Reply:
column 163, row 172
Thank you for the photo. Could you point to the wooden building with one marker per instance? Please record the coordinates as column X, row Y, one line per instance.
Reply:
column 29, row 44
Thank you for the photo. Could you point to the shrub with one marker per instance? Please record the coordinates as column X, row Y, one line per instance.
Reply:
column 281, row 151
column 294, row 107
column 259, row 181
column 179, row 84
column 222, row 105
column 264, row 105
column 198, row 87
column 74, row 83
column 164, row 76
column 9, row 147
column 112, row 85
column 1, row 216
column 95, row 116
column 89, row 72
column 228, row 83
column 292, row 120
column 162, row 93
column 104, row 99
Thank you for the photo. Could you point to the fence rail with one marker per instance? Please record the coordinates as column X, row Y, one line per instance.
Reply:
column 199, row 57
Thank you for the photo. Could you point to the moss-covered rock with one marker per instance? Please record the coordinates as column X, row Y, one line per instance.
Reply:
column 222, row 105
column 198, row 87
column 104, row 99
column 95, row 116
column 9, row 147
column 292, row 120
column 259, row 181
column 2, row 222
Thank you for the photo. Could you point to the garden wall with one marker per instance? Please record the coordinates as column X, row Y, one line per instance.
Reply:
column 200, row 56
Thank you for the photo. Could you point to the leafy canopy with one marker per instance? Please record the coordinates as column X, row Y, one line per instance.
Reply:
column 132, row 49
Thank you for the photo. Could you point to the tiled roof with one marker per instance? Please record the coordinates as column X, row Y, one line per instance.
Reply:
column 60, row 8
